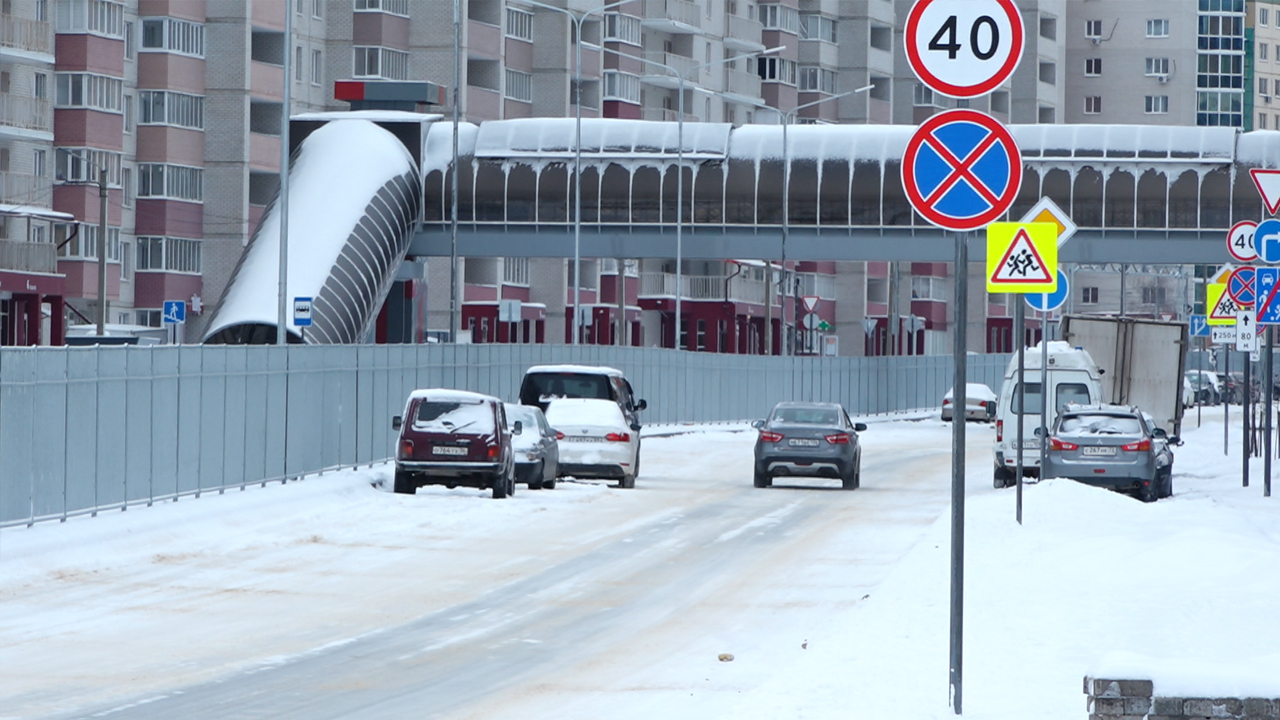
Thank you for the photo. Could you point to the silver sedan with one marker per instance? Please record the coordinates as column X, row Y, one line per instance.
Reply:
column 808, row 439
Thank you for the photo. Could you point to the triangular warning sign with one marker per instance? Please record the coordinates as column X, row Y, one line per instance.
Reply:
column 1022, row 264
column 1224, row 309
column 1268, row 184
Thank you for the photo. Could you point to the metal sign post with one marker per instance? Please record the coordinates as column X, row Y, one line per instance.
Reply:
column 958, row 380
column 1246, row 438
column 1226, row 403
column 1266, row 442
column 1044, row 393
column 1019, row 336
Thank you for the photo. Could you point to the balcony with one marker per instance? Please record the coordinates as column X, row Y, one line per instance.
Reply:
column 679, row 17
column 24, row 189
column 27, row 39
column 654, row 74
column 665, row 115
column 818, row 285
column 742, row 85
column 703, row 287
column 32, row 257
column 743, row 34
column 25, row 118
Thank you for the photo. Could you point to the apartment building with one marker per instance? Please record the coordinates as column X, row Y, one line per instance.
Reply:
column 1262, row 65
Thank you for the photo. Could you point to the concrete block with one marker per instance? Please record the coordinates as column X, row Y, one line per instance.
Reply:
column 1104, row 687
column 1213, row 708
column 1109, row 706
column 1228, row 707
column 1258, row 708
column 1137, row 705
column 1170, row 706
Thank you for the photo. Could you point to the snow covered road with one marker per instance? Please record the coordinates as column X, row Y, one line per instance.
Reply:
column 329, row 598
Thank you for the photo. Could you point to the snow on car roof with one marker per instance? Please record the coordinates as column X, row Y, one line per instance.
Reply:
column 583, row 369
column 450, row 395
column 584, row 411
column 974, row 390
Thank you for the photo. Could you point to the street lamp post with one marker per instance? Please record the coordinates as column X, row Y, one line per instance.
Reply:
column 786, row 117
column 577, row 20
column 102, row 251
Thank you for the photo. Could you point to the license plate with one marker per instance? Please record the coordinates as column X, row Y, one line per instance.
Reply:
column 802, row 442
column 1097, row 450
column 584, row 438
column 449, row 450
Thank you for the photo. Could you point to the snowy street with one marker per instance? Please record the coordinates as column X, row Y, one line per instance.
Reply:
column 333, row 598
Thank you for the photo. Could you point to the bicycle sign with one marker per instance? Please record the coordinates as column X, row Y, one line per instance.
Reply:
column 964, row 48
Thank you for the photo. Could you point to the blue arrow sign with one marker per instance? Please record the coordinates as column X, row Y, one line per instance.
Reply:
column 1267, row 240
column 1200, row 326
column 1268, row 283
column 1044, row 302
column 174, row 312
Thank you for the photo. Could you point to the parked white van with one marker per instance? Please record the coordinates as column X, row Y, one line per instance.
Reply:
column 1073, row 377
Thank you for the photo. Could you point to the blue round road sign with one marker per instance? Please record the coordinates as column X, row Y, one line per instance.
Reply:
column 1044, row 302
column 1240, row 286
column 1266, row 239
column 961, row 169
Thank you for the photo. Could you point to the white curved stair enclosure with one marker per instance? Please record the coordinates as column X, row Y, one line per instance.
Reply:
column 354, row 199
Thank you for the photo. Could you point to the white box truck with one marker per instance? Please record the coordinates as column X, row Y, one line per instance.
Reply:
column 1143, row 361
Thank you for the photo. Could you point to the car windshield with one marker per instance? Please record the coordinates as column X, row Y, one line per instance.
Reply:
column 1100, row 424
column 807, row 416
column 540, row 388
column 522, row 413
column 453, row 416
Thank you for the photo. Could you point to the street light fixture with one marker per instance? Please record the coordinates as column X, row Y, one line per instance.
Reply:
column 786, row 117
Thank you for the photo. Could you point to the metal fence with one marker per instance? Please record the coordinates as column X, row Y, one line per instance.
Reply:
column 89, row 429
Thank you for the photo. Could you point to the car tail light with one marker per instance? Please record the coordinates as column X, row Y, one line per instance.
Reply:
column 1142, row 445
column 1056, row 444
column 618, row 437
column 493, row 451
column 770, row 437
column 999, row 430
column 406, row 449
column 838, row 439
column 946, row 402
column 559, row 435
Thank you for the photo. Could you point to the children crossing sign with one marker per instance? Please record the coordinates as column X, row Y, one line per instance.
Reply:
column 1222, row 309
column 1022, row 258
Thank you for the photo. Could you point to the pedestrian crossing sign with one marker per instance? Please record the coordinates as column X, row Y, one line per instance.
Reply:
column 1022, row 257
column 1222, row 309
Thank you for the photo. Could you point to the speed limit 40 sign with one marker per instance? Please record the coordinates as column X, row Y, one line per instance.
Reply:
column 964, row 48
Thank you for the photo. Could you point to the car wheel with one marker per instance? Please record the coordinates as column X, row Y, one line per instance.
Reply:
column 850, row 481
column 628, row 481
column 505, row 484
column 1168, row 483
column 1150, row 491
column 857, row 472
column 635, row 465
column 550, row 483
column 535, row 476
column 404, row 483
column 1003, row 478
column 762, row 479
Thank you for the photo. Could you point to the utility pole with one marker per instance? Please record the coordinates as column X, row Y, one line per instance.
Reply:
column 102, row 251
column 282, row 317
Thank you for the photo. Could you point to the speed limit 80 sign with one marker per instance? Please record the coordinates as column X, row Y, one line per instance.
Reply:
column 964, row 48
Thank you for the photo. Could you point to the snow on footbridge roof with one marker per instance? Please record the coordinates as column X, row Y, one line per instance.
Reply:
column 1121, row 142
column 554, row 138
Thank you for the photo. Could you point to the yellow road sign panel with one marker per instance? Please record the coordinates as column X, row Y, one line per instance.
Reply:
column 1022, row 257
column 1221, row 308
column 1047, row 211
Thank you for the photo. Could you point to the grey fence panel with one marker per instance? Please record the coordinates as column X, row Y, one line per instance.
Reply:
column 163, row 424
column 47, row 477
column 212, row 427
column 82, row 426
column 234, row 442
column 277, row 396
column 253, row 423
column 110, row 430
column 137, row 424
column 18, row 425
column 190, row 381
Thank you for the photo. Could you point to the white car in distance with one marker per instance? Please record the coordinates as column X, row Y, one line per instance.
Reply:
column 595, row 440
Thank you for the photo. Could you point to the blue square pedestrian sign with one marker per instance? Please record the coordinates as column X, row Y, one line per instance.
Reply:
column 1267, row 281
column 174, row 312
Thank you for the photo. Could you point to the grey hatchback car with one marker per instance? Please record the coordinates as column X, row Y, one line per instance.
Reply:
column 1112, row 446
column 808, row 439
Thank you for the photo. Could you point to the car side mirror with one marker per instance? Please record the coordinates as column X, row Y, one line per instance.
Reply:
column 757, row 424
column 1175, row 440
column 1159, row 433
column 635, row 427
column 396, row 423
column 1041, row 432
column 641, row 405
column 860, row 427
column 991, row 407
column 517, row 427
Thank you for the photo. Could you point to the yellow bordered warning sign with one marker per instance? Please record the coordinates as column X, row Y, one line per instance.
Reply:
column 1221, row 308
column 1022, row 257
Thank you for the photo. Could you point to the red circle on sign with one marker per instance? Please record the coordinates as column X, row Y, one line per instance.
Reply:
column 1231, row 248
column 1240, row 280
column 1003, row 198
column 984, row 85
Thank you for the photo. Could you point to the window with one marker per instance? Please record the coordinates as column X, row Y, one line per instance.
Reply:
column 1157, row 28
column 773, row 69
column 80, row 165
column 1093, row 29
column 128, row 114
column 317, row 66
column 1262, row 51
column 126, row 267
column 173, row 35
column 317, row 9
column 167, row 254
column 393, row 7
column 377, row 62
column 519, row 86
column 84, row 244
column 1089, row 295
column 126, row 181
column 1262, row 121
column 177, row 182
column 519, row 24
column 622, row 28
column 814, row 79
column 97, row 17
column 1092, row 67
column 164, row 107
column 148, row 318
column 37, row 163
column 1048, row 73
column 780, row 17
column 1262, row 86
column 1157, row 66
column 1157, row 104
column 41, row 89
column 1221, row 32
column 922, row 96
column 1092, row 104
column 1262, row 16
column 1049, row 28
column 1215, row 109
column 621, row 86
column 1153, row 295
column 128, row 41
column 928, row 288
column 817, row 27
column 97, row 92
column 297, row 63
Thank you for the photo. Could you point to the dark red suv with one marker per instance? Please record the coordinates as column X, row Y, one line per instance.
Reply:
column 452, row 438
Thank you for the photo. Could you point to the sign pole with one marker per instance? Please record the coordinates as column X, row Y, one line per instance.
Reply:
column 1044, row 391
column 960, row 377
column 1200, row 405
column 1226, row 402
column 1270, row 409
column 1246, row 437
column 1019, row 336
